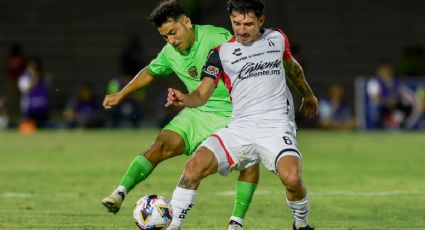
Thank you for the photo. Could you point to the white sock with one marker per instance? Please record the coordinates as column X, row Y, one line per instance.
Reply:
column 121, row 190
column 300, row 210
column 237, row 219
column 182, row 201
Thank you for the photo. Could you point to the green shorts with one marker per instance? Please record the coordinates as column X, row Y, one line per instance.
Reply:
column 194, row 126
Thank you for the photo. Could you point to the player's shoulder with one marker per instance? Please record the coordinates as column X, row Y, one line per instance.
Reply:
column 210, row 31
column 167, row 50
column 274, row 31
column 212, row 28
column 227, row 46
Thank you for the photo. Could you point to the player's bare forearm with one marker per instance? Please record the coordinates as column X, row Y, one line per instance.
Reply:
column 201, row 95
column 140, row 80
column 295, row 74
column 178, row 99
column 195, row 99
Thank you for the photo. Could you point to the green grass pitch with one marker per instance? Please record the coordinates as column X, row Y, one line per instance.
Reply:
column 56, row 180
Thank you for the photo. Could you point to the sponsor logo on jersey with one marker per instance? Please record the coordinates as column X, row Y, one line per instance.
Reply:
column 212, row 70
column 252, row 69
column 193, row 72
column 271, row 43
column 237, row 52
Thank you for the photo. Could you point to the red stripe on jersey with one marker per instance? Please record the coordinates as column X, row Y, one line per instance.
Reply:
column 287, row 52
column 232, row 39
column 227, row 83
column 229, row 158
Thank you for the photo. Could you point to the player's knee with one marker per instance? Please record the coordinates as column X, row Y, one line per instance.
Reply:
column 156, row 152
column 291, row 179
column 200, row 166
column 193, row 170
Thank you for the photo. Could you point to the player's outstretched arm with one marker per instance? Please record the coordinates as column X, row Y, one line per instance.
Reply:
column 195, row 99
column 142, row 79
column 295, row 75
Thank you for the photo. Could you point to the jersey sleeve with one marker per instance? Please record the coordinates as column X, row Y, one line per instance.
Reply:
column 213, row 67
column 159, row 66
column 287, row 52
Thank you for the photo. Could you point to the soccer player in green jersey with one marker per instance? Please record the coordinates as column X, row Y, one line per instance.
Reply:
column 184, row 54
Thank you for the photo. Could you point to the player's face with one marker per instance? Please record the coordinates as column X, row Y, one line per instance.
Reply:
column 246, row 27
column 178, row 33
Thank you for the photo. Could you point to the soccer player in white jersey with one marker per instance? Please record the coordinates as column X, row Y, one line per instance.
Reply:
column 254, row 66
column 185, row 53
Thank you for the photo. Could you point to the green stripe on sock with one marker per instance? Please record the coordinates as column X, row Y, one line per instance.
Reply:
column 244, row 193
column 138, row 170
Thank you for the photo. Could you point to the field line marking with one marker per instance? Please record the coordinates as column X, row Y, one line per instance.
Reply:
column 332, row 193
column 26, row 195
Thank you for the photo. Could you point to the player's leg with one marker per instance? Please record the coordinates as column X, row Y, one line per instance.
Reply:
column 203, row 164
column 167, row 145
column 176, row 138
column 248, row 179
column 245, row 188
column 279, row 152
column 289, row 170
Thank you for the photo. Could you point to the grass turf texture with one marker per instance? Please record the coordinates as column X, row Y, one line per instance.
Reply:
column 56, row 180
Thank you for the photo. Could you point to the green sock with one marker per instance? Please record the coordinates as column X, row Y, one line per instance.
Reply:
column 244, row 193
column 140, row 168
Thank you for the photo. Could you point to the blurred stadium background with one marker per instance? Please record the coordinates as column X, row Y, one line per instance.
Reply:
column 55, row 178
column 93, row 42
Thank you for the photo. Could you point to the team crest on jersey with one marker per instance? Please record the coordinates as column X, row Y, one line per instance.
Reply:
column 212, row 70
column 193, row 72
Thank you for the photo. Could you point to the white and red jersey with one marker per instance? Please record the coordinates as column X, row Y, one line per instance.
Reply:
column 254, row 75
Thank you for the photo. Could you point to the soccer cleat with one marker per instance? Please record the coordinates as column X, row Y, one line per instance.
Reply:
column 304, row 228
column 234, row 225
column 113, row 202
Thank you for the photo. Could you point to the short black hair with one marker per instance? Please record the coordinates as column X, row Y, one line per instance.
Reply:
column 246, row 6
column 165, row 11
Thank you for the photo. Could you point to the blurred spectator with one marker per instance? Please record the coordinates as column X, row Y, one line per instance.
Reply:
column 393, row 101
column 4, row 118
column 412, row 61
column 16, row 63
column 130, row 112
column 334, row 112
column 132, row 57
column 34, row 94
column 84, row 110
column 420, row 92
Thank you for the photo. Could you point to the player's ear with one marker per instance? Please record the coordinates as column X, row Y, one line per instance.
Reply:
column 187, row 22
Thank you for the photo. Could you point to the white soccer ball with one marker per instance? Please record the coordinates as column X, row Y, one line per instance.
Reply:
column 152, row 212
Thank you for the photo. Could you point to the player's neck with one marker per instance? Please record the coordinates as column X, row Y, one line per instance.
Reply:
column 192, row 37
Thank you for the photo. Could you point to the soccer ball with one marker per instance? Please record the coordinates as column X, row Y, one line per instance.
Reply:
column 152, row 212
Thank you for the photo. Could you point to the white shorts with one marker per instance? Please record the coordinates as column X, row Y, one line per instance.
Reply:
column 245, row 143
